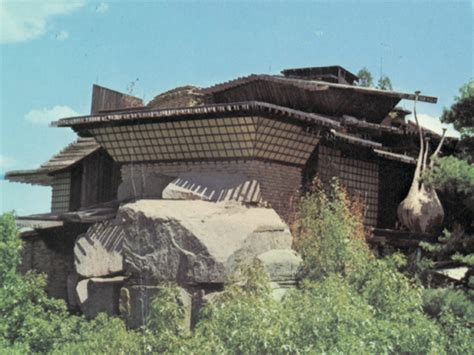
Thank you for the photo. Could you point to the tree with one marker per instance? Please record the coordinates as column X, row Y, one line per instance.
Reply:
column 453, row 176
column 384, row 83
column 365, row 78
column 461, row 115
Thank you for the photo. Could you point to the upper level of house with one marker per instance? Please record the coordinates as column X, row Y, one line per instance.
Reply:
column 278, row 120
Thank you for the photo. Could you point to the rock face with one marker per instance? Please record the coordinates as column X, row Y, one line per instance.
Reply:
column 141, row 184
column 98, row 252
column 213, row 187
column 195, row 241
column 135, row 302
column 98, row 295
column 283, row 267
column 281, row 264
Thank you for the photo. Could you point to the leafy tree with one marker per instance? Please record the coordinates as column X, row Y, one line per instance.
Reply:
column 365, row 78
column 453, row 176
column 461, row 115
column 384, row 83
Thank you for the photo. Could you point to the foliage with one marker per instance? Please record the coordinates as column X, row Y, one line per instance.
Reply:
column 453, row 176
column 454, row 312
column 10, row 248
column 165, row 330
column 384, row 83
column 349, row 302
column 103, row 335
column 27, row 316
column 330, row 233
column 365, row 78
column 461, row 115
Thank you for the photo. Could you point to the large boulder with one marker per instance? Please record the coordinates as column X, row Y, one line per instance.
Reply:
column 195, row 241
column 98, row 252
column 97, row 295
column 135, row 304
column 213, row 187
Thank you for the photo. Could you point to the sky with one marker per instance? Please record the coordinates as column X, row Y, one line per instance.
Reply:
column 52, row 52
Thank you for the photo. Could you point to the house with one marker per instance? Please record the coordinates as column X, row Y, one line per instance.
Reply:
column 258, row 140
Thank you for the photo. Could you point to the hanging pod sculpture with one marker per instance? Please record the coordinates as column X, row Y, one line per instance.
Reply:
column 421, row 211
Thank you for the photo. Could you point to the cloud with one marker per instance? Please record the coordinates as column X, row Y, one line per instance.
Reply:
column 6, row 162
column 22, row 21
column 102, row 8
column 435, row 124
column 44, row 116
column 62, row 36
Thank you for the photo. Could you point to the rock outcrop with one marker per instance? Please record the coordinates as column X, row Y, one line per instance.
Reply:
column 97, row 295
column 283, row 267
column 98, row 252
column 135, row 304
column 193, row 242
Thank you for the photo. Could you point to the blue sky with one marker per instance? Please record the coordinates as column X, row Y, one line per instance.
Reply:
column 52, row 52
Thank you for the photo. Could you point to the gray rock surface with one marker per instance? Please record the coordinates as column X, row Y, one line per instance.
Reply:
column 98, row 295
column 135, row 302
column 283, row 267
column 281, row 264
column 195, row 241
column 98, row 252
column 141, row 183
column 213, row 187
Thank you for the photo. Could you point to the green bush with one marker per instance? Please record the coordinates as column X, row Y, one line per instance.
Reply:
column 454, row 312
column 103, row 335
column 329, row 232
column 349, row 302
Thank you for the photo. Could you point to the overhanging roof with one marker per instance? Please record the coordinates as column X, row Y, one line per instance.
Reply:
column 196, row 111
column 313, row 96
column 67, row 157
column 314, row 85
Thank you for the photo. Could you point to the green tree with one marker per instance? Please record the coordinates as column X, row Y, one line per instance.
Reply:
column 461, row 115
column 384, row 83
column 365, row 78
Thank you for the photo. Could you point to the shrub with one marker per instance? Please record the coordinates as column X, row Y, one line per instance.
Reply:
column 329, row 232
column 454, row 312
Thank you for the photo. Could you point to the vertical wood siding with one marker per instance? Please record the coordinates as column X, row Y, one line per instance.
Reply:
column 360, row 177
column 61, row 192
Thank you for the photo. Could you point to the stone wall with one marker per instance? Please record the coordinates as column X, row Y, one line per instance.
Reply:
column 279, row 183
column 51, row 253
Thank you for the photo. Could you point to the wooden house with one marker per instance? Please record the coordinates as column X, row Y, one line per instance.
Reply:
column 278, row 130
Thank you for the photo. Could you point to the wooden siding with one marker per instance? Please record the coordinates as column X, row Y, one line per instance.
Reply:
column 104, row 99
column 61, row 192
column 100, row 179
column 395, row 181
column 360, row 177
